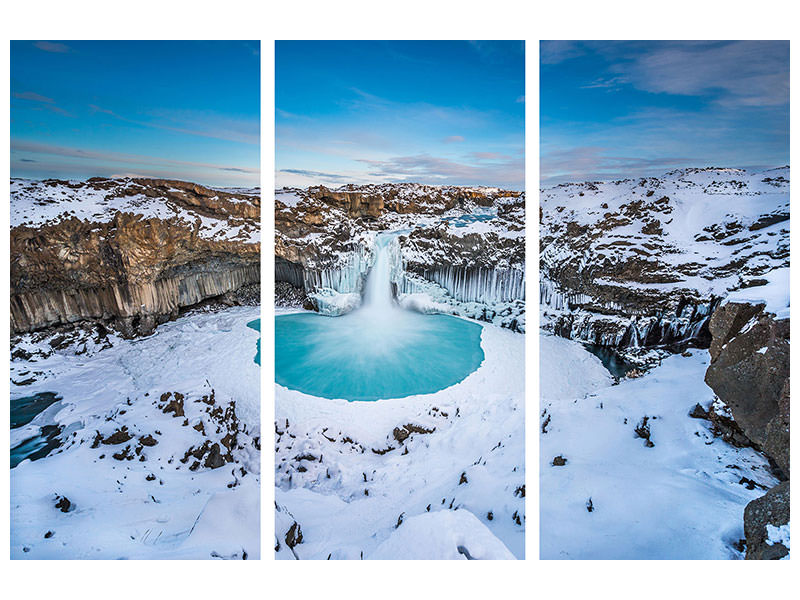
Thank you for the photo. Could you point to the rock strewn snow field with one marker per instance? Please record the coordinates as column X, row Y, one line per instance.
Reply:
column 348, row 499
column 153, row 505
column 690, row 211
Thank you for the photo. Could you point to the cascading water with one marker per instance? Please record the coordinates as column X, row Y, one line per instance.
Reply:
column 378, row 289
column 378, row 351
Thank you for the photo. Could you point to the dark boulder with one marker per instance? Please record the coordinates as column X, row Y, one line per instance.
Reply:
column 749, row 371
column 770, row 509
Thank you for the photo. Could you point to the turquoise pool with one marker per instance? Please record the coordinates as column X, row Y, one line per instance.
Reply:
column 358, row 358
column 256, row 324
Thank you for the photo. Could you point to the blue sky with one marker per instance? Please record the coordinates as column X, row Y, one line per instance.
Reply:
column 182, row 110
column 626, row 109
column 428, row 112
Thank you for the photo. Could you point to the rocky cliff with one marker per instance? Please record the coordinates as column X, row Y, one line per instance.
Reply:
column 749, row 371
column 459, row 249
column 130, row 252
column 644, row 262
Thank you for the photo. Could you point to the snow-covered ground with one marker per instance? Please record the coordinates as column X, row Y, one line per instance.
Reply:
column 150, row 500
column 682, row 498
column 434, row 476
column 692, row 211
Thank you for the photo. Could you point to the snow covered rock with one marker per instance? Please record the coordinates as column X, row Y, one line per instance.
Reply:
column 131, row 252
column 643, row 262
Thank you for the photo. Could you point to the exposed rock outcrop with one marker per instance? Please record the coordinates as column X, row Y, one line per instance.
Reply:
column 749, row 371
column 764, row 517
column 132, row 252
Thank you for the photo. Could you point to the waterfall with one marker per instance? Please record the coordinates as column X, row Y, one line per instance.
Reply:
column 378, row 287
column 373, row 277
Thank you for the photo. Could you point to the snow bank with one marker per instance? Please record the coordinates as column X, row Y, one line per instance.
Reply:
column 442, row 535
column 567, row 370
column 775, row 294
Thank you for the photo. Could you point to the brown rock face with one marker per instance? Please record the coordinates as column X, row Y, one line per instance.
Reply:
column 324, row 224
column 372, row 201
column 749, row 371
column 356, row 204
column 770, row 509
column 131, row 268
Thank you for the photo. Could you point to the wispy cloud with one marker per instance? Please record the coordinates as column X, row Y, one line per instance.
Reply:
column 489, row 156
column 129, row 112
column 424, row 168
column 22, row 146
column 93, row 108
column 418, row 114
column 741, row 73
column 34, row 97
column 42, row 102
column 592, row 163
column 420, row 117
column 56, row 47
column 191, row 122
column 557, row 51
column 316, row 174
column 604, row 82
column 647, row 107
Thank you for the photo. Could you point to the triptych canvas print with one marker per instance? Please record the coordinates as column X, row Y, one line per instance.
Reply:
column 397, row 300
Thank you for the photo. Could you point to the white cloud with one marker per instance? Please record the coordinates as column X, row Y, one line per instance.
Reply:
column 53, row 47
